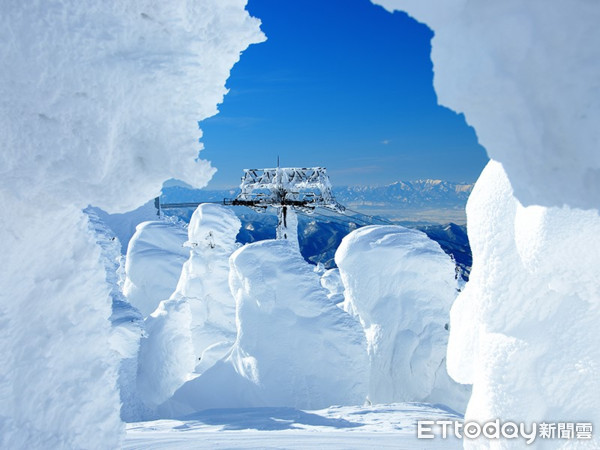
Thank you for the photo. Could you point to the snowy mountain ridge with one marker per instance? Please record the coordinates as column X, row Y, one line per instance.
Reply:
column 418, row 193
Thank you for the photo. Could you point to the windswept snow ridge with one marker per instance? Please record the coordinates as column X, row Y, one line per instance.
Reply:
column 401, row 285
column 99, row 105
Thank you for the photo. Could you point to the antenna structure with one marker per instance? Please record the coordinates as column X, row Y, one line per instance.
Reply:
column 287, row 189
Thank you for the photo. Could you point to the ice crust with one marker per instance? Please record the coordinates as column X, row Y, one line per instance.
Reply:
column 294, row 347
column 99, row 105
column 401, row 285
column 526, row 76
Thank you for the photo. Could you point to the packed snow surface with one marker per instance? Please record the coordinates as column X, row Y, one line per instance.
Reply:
column 527, row 77
column 294, row 347
column 348, row 427
column 401, row 284
column 155, row 256
column 100, row 103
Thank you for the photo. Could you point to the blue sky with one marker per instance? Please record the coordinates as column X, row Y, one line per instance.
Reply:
column 341, row 84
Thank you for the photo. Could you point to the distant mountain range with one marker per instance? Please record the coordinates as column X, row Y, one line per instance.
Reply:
column 428, row 205
column 391, row 198
column 413, row 194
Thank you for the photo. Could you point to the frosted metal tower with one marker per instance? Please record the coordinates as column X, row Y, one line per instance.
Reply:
column 287, row 189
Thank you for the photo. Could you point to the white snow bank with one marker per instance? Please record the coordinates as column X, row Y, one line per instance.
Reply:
column 196, row 326
column 526, row 78
column 401, row 285
column 204, row 282
column 57, row 369
column 123, row 225
column 100, row 103
column 526, row 75
column 155, row 255
column 166, row 353
column 294, row 347
column 525, row 327
column 332, row 281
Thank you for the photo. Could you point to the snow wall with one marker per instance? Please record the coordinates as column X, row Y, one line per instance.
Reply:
column 196, row 326
column 155, row 255
column 204, row 282
column 526, row 76
column 294, row 347
column 401, row 285
column 100, row 104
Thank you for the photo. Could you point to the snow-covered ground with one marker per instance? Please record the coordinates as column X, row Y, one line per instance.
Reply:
column 349, row 427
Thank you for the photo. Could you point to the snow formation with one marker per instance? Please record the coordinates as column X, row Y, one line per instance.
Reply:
column 166, row 354
column 524, row 330
column 204, row 282
column 294, row 347
column 195, row 327
column 100, row 104
column 401, row 284
column 332, row 281
column 123, row 225
column 526, row 76
column 155, row 255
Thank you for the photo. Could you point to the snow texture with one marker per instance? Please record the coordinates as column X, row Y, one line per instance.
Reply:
column 526, row 76
column 294, row 347
column 58, row 372
column 525, row 329
column 123, row 225
column 332, row 281
column 204, row 282
column 155, row 256
column 166, row 352
column 195, row 327
column 99, row 105
column 114, row 91
column 127, row 322
column 338, row 427
column 401, row 285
